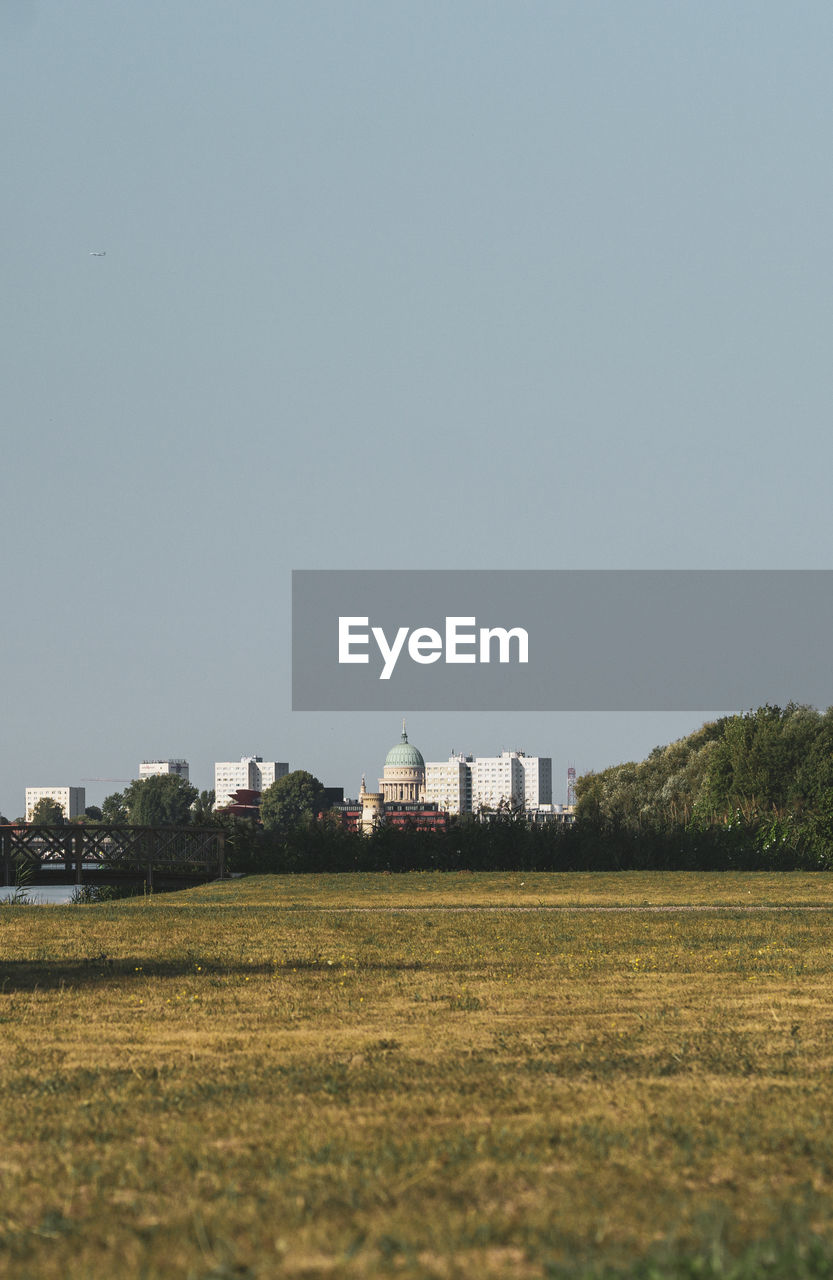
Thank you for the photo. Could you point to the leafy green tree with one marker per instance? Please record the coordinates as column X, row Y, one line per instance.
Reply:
column 47, row 813
column 163, row 800
column 114, row 808
column 202, row 810
column 752, row 790
column 814, row 774
column 760, row 762
column 92, row 813
column 291, row 801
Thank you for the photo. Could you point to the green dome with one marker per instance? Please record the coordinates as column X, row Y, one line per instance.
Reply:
column 403, row 755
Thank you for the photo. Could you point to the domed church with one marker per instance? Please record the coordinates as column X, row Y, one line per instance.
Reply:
column 403, row 777
column 400, row 800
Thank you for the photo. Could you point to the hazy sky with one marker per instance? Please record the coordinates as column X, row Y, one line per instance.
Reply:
column 389, row 285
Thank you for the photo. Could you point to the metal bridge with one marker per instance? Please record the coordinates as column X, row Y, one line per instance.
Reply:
column 108, row 853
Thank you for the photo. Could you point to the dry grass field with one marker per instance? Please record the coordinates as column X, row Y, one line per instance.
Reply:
column 411, row 1075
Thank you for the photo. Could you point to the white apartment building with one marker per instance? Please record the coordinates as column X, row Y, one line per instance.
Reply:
column 537, row 780
column 466, row 784
column 448, row 784
column 497, row 780
column 251, row 773
column 152, row 768
column 71, row 799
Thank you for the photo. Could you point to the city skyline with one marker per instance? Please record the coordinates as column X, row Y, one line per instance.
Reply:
column 252, row 769
column 98, row 788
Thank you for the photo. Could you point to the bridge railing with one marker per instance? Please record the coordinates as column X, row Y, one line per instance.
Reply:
column 173, row 851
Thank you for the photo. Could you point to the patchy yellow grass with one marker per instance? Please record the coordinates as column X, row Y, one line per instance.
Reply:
column 249, row 1079
column 528, row 889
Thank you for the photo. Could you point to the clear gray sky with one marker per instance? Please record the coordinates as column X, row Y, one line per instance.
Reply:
column 389, row 285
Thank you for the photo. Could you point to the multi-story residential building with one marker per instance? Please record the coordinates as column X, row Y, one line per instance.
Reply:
column 152, row 768
column 251, row 773
column 467, row 784
column 448, row 784
column 497, row 780
column 537, row 780
column 71, row 799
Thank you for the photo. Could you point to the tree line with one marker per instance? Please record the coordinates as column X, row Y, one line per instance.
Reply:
column 753, row 790
column 167, row 800
column 161, row 800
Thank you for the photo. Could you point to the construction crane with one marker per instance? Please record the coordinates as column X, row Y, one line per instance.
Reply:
column 106, row 779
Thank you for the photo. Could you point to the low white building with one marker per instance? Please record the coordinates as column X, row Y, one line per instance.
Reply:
column 563, row 813
column 251, row 773
column 153, row 768
column 71, row 799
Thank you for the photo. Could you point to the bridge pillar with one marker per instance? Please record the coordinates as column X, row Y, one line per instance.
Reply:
column 79, row 855
column 66, row 840
column 6, row 856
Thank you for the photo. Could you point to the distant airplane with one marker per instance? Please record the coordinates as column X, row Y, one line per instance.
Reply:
column 98, row 253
